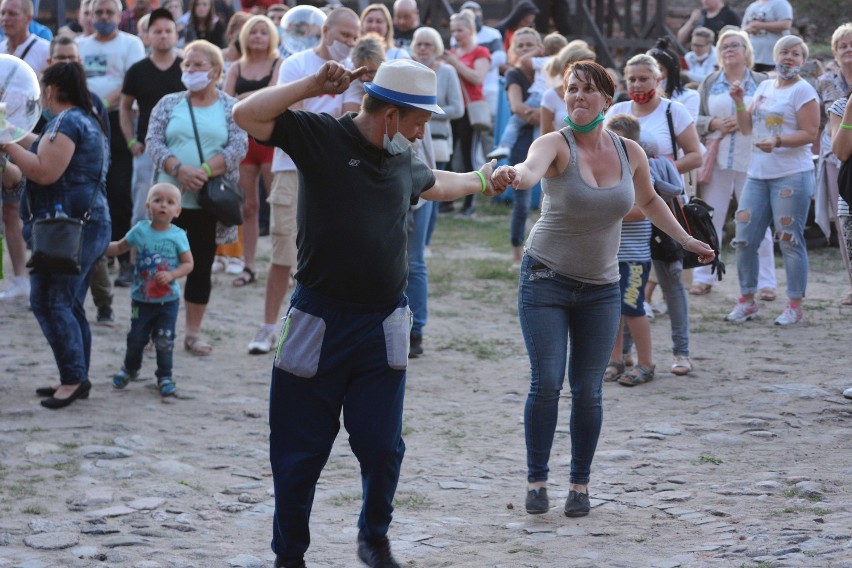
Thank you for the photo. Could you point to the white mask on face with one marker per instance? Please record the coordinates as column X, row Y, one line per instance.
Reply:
column 399, row 144
column 195, row 80
column 339, row 51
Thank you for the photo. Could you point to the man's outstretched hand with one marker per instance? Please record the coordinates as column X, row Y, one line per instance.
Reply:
column 333, row 78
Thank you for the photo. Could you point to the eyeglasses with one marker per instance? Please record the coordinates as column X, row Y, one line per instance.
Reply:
column 700, row 45
column 730, row 47
column 424, row 44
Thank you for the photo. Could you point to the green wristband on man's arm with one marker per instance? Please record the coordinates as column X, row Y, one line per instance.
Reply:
column 481, row 179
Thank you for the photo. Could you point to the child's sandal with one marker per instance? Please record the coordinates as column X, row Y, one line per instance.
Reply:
column 614, row 369
column 638, row 375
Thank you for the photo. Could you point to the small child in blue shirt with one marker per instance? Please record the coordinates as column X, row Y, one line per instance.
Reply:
column 162, row 256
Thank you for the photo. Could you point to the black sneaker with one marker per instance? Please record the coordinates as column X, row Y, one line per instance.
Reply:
column 376, row 553
column 415, row 348
column 105, row 314
column 537, row 501
column 125, row 275
column 577, row 504
column 281, row 562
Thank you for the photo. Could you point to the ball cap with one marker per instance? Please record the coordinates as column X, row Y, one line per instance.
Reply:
column 406, row 83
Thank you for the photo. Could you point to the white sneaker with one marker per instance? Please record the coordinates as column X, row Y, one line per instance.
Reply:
column 790, row 316
column 649, row 311
column 744, row 311
column 499, row 153
column 263, row 340
column 18, row 288
column 660, row 308
column 234, row 265
column 682, row 365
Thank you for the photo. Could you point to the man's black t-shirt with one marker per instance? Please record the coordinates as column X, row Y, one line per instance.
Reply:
column 725, row 17
column 148, row 84
column 353, row 201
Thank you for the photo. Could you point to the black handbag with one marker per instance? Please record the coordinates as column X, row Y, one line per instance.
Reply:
column 57, row 242
column 220, row 197
column 844, row 181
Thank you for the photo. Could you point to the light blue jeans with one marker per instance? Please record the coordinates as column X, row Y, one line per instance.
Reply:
column 784, row 202
column 143, row 179
column 418, row 278
column 565, row 321
column 670, row 281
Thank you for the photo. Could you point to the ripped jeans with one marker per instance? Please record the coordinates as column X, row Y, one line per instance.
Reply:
column 154, row 322
column 785, row 202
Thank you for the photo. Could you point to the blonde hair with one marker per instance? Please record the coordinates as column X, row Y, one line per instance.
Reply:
column 571, row 53
column 164, row 186
column 788, row 41
column 432, row 34
column 388, row 39
column 841, row 32
column 271, row 30
column 647, row 61
column 213, row 53
column 553, row 42
column 370, row 47
column 466, row 17
column 706, row 33
column 522, row 32
column 743, row 37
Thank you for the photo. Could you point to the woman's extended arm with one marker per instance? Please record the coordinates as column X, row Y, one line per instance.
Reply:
column 841, row 138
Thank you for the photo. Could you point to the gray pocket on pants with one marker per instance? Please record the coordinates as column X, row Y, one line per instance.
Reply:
column 300, row 344
column 397, row 327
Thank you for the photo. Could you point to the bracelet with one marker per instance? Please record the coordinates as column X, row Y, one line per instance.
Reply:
column 131, row 143
column 685, row 240
column 740, row 108
column 206, row 167
column 481, row 179
column 846, row 126
column 105, row 103
column 176, row 169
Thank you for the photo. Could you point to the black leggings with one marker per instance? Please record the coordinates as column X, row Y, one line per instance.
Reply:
column 467, row 137
column 200, row 229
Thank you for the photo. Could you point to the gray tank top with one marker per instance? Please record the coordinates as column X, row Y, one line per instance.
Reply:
column 579, row 230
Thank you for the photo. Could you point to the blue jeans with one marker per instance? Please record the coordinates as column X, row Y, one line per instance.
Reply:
column 520, row 212
column 57, row 302
column 785, row 202
column 418, row 278
column 155, row 322
column 335, row 356
column 143, row 179
column 554, row 309
column 515, row 123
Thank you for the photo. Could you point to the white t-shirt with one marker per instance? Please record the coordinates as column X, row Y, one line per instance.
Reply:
column 36, row 55
column 773, row 113
column 301, row 65
column 106, row 62
column 763, row 42
column 691, row 100
column 700, row 68
column 540, row 82
column 655, row 126
column 554, row 103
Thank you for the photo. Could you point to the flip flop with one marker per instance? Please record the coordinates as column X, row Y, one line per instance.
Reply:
column 247, row 277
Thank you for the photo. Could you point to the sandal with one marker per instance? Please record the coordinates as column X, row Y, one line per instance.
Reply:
column 767, row 294
column 699, row 289
column 637, row 375
column 614, row 370
column 247, row 277
column 197, row 346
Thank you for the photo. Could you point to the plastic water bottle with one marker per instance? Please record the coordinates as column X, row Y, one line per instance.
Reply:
column 58, row 213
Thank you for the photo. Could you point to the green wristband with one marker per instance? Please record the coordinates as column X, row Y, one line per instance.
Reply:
column 206, row 167
column 740, row 108
column 846, row 126
column 131, row 143
column 481, row 179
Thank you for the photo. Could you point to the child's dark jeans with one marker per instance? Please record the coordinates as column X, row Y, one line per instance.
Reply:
column 154, row 321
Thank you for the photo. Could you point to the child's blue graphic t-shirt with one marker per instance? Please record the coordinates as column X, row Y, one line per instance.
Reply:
column 156, row 251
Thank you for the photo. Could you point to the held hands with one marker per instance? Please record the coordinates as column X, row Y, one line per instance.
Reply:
column 333, row 78
column 702, row 249
column 504, row 176
column 487, row 170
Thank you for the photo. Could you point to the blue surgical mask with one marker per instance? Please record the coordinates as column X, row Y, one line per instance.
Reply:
column 45, row 112
column 399, row 144
column 105, row 28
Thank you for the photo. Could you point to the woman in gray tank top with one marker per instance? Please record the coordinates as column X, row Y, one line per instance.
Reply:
column 569, row 291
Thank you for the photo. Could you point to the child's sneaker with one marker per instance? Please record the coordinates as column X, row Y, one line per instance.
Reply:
column 121, row 378
column 499, row 153
column 791, row 316
column 744, row 310
column 167, row 386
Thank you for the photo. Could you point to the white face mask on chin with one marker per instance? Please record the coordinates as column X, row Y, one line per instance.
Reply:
column 339, row 51
column 399, row 144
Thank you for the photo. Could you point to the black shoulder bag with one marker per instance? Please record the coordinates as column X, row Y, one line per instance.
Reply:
column 57, row 242
column 844, row 181
column 221, row 198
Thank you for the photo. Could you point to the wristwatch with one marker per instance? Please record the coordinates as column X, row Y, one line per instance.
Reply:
column 176, row 169
column 777, row 140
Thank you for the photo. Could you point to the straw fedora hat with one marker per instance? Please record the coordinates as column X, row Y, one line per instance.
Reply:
column 406, row 83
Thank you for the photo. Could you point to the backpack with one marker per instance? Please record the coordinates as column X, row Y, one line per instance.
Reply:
column 696, row 217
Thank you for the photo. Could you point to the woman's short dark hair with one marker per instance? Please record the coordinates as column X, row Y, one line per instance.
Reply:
column 670, row 61
column 594, row 73
column 69, row 82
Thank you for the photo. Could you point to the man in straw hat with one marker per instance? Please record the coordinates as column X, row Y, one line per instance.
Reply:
column 344, row 342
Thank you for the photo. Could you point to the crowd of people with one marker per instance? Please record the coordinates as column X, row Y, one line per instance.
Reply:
column 144, row 108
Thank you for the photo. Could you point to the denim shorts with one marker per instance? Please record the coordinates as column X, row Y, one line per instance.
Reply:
column 634, row 278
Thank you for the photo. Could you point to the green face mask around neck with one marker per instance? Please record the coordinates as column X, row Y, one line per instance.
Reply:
column 586, row 127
